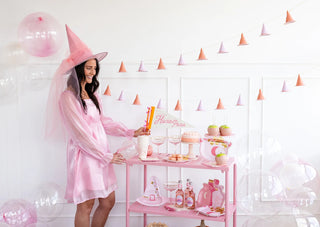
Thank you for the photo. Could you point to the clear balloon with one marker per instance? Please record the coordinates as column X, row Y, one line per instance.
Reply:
column 49, row 202
column 8, row 86
column 14, row 55
column 271, row 221
column 40, row 34
column 37, row 77
column 301, row 181
column 257, row 192
column 18, row 212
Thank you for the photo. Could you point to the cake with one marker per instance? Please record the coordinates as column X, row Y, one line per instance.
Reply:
column 190, row 137
column 225, row 130
column 213, row 130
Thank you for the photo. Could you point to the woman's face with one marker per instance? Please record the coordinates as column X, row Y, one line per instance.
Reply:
column 90, row 70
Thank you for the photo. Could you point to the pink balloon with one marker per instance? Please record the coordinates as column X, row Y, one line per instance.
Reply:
column 40, row 34
column 18, row 212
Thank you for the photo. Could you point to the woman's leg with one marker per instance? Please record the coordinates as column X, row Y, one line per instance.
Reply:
column 101, row 214
column 82, row 217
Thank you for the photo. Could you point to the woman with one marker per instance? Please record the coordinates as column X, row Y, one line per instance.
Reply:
column 89, row 160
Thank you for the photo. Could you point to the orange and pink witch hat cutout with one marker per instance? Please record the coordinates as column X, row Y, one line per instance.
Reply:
column 181, row 61
column 122, row 68
column 289, row 18
column 142, row 68
column 239, row 102
column 160, row 106
column 243, row 41
column 222, row 49
column 200, row 106
column 260, row 95
column 121, row 97
column 202, row 56
column 161, row 65
column 220, row 105
column 299, row 81
column 264, row 31
column 284, row 87
column 107, row 91
column 178, row 106
column 137, row 100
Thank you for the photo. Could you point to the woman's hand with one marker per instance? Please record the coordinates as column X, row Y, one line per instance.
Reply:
column 141, row 131
column 118, row 158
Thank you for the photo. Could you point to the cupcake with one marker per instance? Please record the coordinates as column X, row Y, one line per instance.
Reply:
column 213, row 130
column 225, row 130
column 221, row 159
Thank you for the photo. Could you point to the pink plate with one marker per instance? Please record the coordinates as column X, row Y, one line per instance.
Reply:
column 168, row 160
column 150, row 159
column 158, row 202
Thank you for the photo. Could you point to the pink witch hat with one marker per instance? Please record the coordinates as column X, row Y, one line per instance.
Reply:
column 79, row 51
column 239, row 102
column 141, row 67
column 160, row 106
column 200, row 106
column 222, row 49
column 284, row 87
column 121, row 96
column 181, row 61
column 264, row 31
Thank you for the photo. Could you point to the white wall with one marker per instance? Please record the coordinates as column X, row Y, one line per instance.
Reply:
column 147, row 30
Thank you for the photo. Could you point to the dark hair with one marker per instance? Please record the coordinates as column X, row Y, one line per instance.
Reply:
column 90, row 88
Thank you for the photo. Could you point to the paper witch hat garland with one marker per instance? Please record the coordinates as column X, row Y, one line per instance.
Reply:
column 141, row 67
column 107, row 91
column 122, row 69
column 289, row 18
column 160, row 106
column 260, row 96
column 239, row 102
column 220, row 105
column 299, row 81
column 264, row 31
column 202, row 56
column 161, row 65
column 200, row 106
column 121, row 97
column 243, row 41
column 137, row 100
column 222, row 49
column 284, row 87
column 181, row 61
column 178, row 106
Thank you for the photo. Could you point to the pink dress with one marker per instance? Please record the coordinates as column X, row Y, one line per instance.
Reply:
column 89, row 171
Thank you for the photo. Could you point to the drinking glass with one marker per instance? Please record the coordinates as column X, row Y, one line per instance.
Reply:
column 175, row 140
column 171, row 186
column 158, row 141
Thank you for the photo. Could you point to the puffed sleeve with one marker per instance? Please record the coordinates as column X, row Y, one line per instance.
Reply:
column 111, row 127
column 79, row 130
